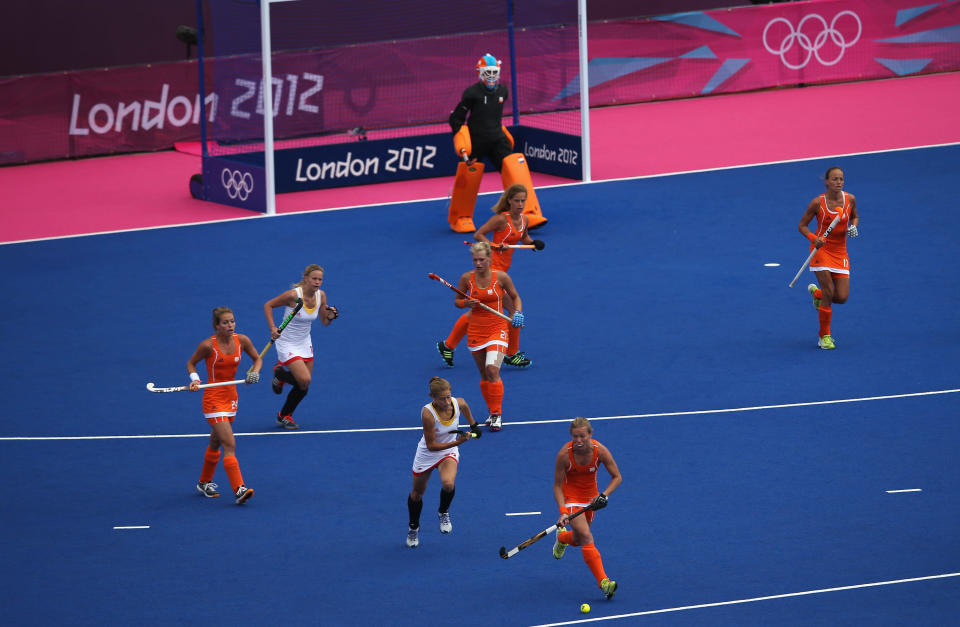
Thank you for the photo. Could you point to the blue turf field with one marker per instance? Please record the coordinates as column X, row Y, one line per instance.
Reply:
column 651, row 298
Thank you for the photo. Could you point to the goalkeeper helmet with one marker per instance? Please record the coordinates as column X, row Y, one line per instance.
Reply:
column 488, row 67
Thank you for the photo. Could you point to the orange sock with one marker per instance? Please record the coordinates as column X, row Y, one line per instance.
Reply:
column 567, row 538
column 458, row 331
column 592, row 557
column 495, row 401
column 825, row 314
column 493, row 394
column 513, row 340
column 232, row 467
column 210, row 459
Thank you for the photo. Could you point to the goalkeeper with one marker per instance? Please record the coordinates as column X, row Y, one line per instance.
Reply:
column 479, row 134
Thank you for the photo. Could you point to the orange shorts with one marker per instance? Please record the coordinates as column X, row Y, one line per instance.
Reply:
column 487, row 337
column 570, row 509
column 220, row 408
column 834, row 261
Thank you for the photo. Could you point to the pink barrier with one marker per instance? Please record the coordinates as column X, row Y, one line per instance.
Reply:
column 748, row 48
column 97, row 112
column 144, row 108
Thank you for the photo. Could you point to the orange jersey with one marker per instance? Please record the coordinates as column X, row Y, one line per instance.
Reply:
column 485, row 329
column 501, row 259
column 221, row 401
column 832, row 255
column 836, row 242
column 580, row 482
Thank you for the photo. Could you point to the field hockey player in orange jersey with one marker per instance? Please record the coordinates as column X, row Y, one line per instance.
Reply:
column 221, row 352
column 487, row 331
column 508, row 226
column 830, row 262
column 575, row 487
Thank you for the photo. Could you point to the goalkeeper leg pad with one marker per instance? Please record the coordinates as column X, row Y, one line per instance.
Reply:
column 514, row 170
column 464, row 197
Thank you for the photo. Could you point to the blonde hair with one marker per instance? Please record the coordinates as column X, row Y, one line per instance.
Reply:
column 580, row 421
column 438, row 385
column 504, row 203
column 481, row 247
column 306, row 272
column 218, row 312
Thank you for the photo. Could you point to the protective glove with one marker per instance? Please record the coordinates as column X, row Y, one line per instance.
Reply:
column 600, row 502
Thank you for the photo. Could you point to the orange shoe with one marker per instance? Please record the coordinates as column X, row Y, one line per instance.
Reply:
column 463, row 225
column 535, row 220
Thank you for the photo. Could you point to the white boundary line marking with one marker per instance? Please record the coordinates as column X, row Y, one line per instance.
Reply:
column 402, row 202
column 134, row 527
column 517, row 422
column 523, row 513
column 753, row 600
column 899, row 491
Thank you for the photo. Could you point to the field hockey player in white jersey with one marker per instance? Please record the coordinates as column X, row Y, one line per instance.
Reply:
column 438, row 448
column 294, row 345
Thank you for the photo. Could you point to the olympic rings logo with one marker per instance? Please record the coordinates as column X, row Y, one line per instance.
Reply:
column 812, row 48
column 238, row 184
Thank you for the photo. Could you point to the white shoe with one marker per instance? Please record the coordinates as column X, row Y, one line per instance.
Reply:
column 495, row 422
column 243, row 494
column 445, row 525
column 413, row 538
column 208, row 489
column 488, row 421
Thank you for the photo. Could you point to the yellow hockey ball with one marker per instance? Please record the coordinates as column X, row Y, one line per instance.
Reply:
column 585, row 608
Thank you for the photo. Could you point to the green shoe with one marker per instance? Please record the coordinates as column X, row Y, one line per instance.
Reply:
column 826, row 343
column 446, row 353
column 609, row 587
column 518, row 360
column 812, row 288
column 559, row 547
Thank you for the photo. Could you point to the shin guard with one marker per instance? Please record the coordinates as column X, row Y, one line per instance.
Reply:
column 464, row 197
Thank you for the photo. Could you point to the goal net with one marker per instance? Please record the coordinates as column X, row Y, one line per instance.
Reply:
column 360, row 92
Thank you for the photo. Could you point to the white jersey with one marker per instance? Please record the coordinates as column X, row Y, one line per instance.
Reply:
column 425, row 459
column 294, row 341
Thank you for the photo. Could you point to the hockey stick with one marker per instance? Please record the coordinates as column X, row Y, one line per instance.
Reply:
column 814, row 251
column 499, row 246
column 283, row 325
column 457, row 290
column 183, row 388
column 505, row 554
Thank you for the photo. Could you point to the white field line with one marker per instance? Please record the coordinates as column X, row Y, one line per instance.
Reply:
column 518, row 422
column 753, row 600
